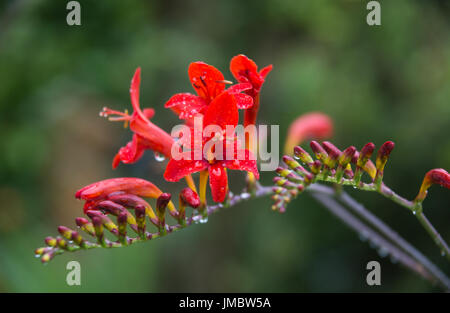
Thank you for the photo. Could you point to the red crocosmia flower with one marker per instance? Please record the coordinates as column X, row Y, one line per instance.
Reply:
column 94, row 193
column 313, row 125
column 137, row 186
column 209, row 83
column 245, row 70
column 146, row 134
column 222, row 111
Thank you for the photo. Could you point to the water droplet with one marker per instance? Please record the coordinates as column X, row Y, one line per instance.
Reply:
column 363, row 236
column 393, row 259
column 414, row 212
column 383, row 252
column 442, row 252
column 245, row 195
column 203, row 220
column 159, row 157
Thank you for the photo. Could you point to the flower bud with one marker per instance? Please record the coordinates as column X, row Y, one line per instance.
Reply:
column 303, row 156
column 140, row 219
column 320, row 153
column 312, row 125
column 98, row 227
column 383, row 155
column 437, row 176
column 116, row 209
column 190, row 198
column 363, row 163
column 365, row 154
column 50, row 241
column 161, row 204
column 65, row 232
column 85, row 225
column 382, row 158
column 106, row 221
column 122, row 232
column 333, row 154
column 347, row 156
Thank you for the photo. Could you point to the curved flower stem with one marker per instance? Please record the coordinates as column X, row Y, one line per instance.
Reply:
column 412, row 259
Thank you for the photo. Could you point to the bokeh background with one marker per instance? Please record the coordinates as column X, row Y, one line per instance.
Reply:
column 388, row 82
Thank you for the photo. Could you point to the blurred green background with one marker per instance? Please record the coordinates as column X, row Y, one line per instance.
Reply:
column 388, row 82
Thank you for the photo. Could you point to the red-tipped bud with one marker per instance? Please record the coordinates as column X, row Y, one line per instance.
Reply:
column 190, row 198
column 332, row 150
column 161, row 204
column 302, row 155
column 106, row 221
column 290, row 162
column 312, row 125
column 65, row 232
column 333, row 154
column 85, row 225
column 50, row 241
column 365, row 154
column 383, row 154
column 316, row 167
column 122, row 222
column 347, row 156
column 162, row 201
column 437, row 176
column 320, row 152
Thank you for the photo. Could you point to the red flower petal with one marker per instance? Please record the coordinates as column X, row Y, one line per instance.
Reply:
column 313, row 125
column 237, row 88
column 218, row 181
column 149, row 113
column 243, row 101
column 136, row 186
column 243, row 161
column 222, row 111
column 245, row 70
column 134, row 90
column 177, row 169
column 266, row 70
column 132, row 151
column 206, row 80
column 186, row 105
column 240, row 65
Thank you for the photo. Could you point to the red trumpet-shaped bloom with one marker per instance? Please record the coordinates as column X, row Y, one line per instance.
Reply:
column 147, row 136
column 124, row 187
column 313, row 125
column 245, row 70
column 222, row 112
column 209, row 83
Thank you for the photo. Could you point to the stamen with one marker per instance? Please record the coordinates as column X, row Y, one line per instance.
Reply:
column 120, row 116
column 224, row 82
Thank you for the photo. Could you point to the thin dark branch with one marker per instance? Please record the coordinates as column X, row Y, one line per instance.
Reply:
column 350, row 220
